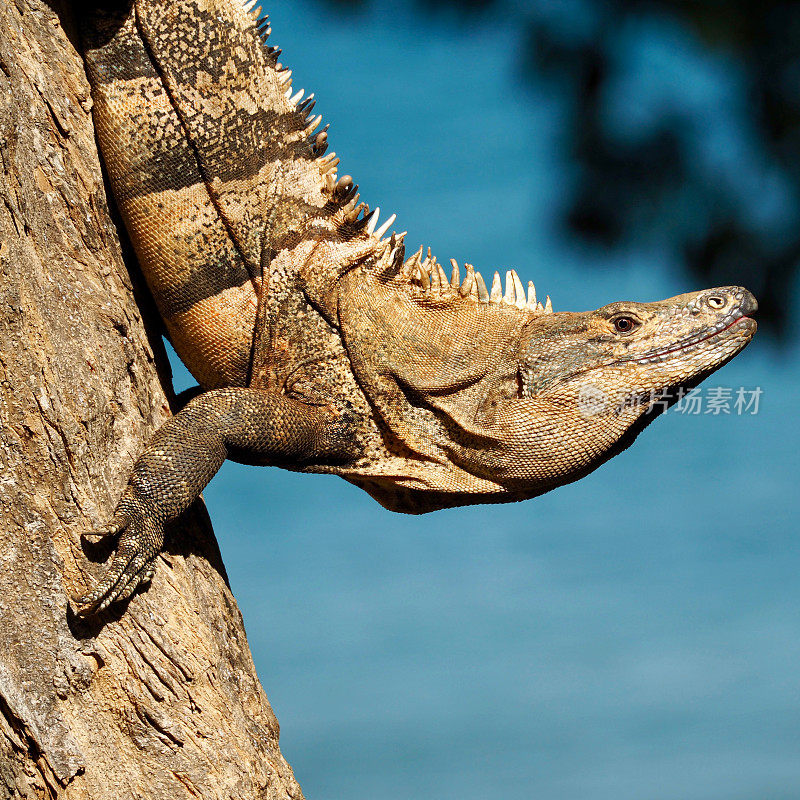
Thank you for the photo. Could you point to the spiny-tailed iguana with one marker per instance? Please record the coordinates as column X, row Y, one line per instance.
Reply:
column 320, row 347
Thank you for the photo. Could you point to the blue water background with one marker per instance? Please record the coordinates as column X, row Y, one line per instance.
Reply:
column 634, row 635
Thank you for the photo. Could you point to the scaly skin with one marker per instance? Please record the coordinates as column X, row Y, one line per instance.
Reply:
column 320, row 347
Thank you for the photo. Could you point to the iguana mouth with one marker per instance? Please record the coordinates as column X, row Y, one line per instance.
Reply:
column 733, row 317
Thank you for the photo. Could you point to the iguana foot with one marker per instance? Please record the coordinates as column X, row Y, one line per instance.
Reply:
column 142, row 534
column 249, row 425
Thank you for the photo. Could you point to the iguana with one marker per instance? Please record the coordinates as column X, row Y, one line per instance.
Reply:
column 319, row 346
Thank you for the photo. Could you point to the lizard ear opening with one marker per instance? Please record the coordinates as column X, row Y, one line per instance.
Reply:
column 520, row 384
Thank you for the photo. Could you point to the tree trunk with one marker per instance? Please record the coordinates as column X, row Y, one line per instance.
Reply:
column 158, row 698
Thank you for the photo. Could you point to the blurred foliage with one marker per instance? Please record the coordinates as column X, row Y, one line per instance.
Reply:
column 717, row 181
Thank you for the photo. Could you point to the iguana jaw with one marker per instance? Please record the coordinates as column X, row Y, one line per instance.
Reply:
column 725, row 330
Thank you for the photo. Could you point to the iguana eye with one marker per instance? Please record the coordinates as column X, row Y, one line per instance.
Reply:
column 625, row 324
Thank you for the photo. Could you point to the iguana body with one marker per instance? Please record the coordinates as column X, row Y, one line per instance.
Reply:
column 320, row 347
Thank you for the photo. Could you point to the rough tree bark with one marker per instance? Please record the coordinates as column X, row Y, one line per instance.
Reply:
column 158, row 699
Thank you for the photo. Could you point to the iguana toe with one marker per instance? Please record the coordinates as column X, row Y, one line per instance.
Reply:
column 114, row 526
column 140, row 543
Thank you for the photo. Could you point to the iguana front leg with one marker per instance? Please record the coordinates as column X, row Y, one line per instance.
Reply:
column 249, row 425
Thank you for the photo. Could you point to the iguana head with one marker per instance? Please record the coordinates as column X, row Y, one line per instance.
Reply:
column 606, row 374
column 485, row 396
column 627, row 354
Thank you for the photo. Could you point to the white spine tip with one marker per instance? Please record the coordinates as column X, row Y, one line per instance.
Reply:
column 509, row 296
column 443, row 282
column 483, row 292
column 373, row 221
column 455, row 278
column 295, row 99
column 519, row 290
column 531, row 296
column 496, row 295
column 386, row 225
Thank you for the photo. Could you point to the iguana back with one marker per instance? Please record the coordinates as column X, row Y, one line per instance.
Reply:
column 213, row 167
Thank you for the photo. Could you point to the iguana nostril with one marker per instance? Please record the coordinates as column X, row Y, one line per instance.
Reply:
column 748, row 304
column 716, row 301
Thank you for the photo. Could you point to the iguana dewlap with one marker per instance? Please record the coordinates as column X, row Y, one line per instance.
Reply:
column 319, row 346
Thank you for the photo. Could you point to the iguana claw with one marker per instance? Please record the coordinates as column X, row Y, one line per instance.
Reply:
column 142, row 535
